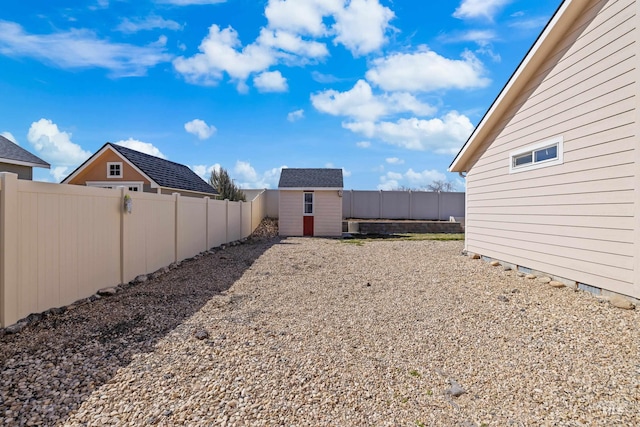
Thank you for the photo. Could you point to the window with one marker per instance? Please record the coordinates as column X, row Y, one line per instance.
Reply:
column 114, row 169
column 130, row 186
column 547, row 153
column 308, row 203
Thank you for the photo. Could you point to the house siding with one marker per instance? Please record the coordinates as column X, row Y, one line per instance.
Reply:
column 575, row 220
column 97, row 171
column 23, row 172
column 328, row 214
column 290, row 213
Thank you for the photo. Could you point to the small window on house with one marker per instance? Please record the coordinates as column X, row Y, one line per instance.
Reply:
column 308, row 203
column 547, row 153
column 114, row 169
column 134, row 188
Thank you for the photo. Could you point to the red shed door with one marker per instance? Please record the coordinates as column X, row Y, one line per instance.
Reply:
column 307, row 228
column 307, row 225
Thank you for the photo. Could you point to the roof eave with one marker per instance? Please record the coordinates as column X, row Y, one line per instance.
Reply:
column 555, row 28
column 22, row 163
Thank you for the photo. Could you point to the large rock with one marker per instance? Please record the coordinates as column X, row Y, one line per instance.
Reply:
column 556, row 284
column 621, row 302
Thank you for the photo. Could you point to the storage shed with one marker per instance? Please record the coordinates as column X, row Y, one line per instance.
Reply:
column 553, row 168
column 310, row 202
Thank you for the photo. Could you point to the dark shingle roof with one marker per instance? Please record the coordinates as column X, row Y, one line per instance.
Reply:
column 11, row 151
column 164, row 172
column 310, row 178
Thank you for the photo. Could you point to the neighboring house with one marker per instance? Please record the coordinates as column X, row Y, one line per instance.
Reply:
column 310, row 202
column 114, row 166
column 16, row 159
column 553, row 168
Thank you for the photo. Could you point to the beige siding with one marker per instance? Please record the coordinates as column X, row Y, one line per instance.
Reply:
column 327, row 221
column 573, row 220
column 290, row 213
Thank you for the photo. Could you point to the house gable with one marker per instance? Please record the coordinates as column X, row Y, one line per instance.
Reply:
column 95, row 170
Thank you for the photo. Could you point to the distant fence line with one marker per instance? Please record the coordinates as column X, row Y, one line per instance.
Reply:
column 61, row 243
column 361, row 204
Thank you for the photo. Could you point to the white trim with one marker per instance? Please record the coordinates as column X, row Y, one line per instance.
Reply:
column 20, row 163
column 116, row 184
column 304, row 203
column 120, row 170
column 566, row 13
column 557, row 141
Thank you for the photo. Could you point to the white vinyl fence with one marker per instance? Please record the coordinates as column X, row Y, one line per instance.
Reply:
column 60, row 243
column 420, row 205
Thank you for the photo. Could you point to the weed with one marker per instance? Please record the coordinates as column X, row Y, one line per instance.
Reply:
column 419, row 423
column 429, row 393
column 414, row 373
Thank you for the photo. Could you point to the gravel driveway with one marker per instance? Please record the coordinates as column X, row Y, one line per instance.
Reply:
column 316, row 332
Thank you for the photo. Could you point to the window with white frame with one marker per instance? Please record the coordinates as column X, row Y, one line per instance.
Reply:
column 130, row 186
column 543, row 154
column 114, row 169
column 308, row 203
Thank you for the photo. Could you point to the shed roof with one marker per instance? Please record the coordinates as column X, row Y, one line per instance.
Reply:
column 556, row 28
column 11, row 152
column 310, row 178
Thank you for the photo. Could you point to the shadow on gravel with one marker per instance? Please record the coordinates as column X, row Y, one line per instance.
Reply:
column 51, row 367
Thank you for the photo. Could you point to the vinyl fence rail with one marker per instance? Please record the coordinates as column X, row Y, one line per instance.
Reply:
column 418, row 205
column 60, row 243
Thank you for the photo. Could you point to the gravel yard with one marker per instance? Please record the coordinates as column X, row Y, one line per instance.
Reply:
column 319, row 332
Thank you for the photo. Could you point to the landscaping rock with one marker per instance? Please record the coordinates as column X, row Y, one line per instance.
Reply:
column 556, row 284
column 621, row 302
column 494, row 263
column 530, row 276
column 201, row 334
column 106, row 292
column 544, row 279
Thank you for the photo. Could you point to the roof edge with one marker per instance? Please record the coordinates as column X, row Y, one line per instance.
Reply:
column 565, row 13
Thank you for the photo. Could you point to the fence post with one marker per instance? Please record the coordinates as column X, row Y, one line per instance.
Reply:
column 9, row 249
column 123, row 234
column 380, row 204
column 206, row 223
column 410, row 204
column 439, row 209
column 176, row 245
column 226, row 221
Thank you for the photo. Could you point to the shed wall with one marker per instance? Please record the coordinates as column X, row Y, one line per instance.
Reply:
column 575, row 220
column 328, row 214
column 23, row 172
column 290, row 213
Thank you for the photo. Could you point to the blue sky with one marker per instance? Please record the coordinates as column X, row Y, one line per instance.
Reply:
column 387, row 90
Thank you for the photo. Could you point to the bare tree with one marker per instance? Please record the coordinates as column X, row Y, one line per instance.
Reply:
column 441, row 185
column 221, row 181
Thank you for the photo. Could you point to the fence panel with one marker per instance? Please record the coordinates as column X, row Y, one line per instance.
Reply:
column 245, row 226
column 148, row 234
column 425, row 205
column 217, row 223
column 68, row 245
column 234, row 223
column 395, row 204
column 366, row 204
column 192, row 226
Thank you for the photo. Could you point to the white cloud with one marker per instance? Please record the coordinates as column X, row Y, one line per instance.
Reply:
column 441, row 135
column 471, row 9
column 204, row 171
column 295, row 115
column 220, row 54
column 426, row 71
column 10, row 137
column 411, row 179
column 247, row 177
column 143, row 147
column 363, row 144
column 55, row 146
column 291, row 37
column 394, row 161
column 79, row 48
column 270, row 81
column 361, row 103
column 152, row 22
column 200, row 128
column 59, row 173
column 293, row 43
column 480, row 37
column 190, row 2
column 362, row 25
